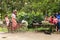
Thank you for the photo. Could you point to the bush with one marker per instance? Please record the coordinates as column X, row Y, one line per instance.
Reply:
column 30, row 17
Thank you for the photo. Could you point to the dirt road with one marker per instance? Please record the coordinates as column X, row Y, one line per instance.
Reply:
column 28, row 36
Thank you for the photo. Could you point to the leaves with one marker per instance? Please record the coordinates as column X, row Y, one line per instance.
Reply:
column 28, row 6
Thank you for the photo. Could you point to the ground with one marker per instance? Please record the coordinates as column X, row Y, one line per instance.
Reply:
column 28, row 36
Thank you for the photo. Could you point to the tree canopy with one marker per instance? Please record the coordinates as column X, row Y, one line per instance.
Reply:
column 34, row 7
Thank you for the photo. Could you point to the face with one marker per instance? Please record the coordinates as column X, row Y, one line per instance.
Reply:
column 15, row 12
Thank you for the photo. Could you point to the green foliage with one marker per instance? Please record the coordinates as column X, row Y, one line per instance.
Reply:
column 32, row 9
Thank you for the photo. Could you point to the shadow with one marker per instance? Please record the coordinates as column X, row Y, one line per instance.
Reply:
column 47, row 32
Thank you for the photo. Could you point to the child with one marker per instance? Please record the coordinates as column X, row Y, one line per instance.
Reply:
column 46, row 18
column 25, row 25
column 51, row 19
column 7, row 20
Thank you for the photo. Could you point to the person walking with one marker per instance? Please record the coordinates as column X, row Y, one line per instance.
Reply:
column 7, row 22
column 14, row 22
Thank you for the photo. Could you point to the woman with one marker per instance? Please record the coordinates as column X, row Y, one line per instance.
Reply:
column 14, row 22
column 55, row 21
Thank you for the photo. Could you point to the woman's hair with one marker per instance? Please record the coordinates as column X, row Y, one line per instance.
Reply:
column 55, row 16
column 52, row 16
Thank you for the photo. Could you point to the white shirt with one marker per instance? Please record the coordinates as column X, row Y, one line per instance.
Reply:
column 6, row 19
column 14, row 16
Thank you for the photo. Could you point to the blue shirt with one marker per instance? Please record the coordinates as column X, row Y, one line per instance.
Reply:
column 58, row 17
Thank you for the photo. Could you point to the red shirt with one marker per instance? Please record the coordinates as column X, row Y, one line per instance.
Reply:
column 55, row 20
column 51, row 20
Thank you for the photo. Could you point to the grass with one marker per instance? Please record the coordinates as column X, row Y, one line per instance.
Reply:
column 31, row 29
column 41, row 28
column 3, row 29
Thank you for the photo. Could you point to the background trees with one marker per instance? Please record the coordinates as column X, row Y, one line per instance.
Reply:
column 32, row 8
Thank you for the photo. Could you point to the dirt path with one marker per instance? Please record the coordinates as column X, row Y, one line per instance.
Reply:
column 28, row 36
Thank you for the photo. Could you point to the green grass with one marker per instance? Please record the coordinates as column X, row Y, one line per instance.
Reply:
column 3, row 29
column 41, row 28
column 31, row 29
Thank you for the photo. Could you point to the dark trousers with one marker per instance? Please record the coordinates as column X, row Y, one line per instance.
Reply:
column 58, row 25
